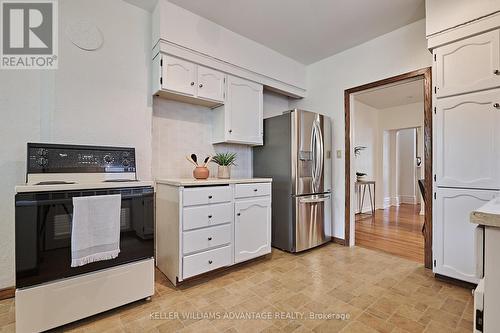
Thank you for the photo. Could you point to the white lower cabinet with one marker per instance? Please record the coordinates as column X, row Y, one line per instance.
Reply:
column 252, row 228
column 454, row 247
column 202, row 228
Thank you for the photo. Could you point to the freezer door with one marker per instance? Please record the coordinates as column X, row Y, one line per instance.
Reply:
column 312, row 141
column 310, row 220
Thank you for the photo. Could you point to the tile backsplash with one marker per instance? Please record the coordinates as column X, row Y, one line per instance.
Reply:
column 180, row 129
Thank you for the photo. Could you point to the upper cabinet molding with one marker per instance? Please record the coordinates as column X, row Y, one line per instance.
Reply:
column 442, row 15
column 181, row 33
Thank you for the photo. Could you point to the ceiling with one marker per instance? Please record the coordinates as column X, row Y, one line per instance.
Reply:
column 308, row 30
column 395, row 95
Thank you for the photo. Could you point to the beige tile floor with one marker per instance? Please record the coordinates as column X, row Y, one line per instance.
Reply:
column 379, row 293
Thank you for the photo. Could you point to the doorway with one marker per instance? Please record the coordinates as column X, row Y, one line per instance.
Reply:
column 389, row 156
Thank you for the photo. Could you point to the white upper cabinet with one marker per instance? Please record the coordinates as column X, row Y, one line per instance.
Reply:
column 468, row 140
column 185, row 81
column 252, row 229
column 211, row 84
column 454, row 247
column 242, row 114
column 178, row 76
column 468, row 65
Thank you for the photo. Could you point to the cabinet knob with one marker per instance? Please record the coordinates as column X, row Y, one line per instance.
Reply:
column 209, row 216
column 210, row 197
column 238, row 214
column 192, row 83
column 209, row 238
column 496, row 105
column 255, row 190
column 210, row 262
column 230, row 131
column 496, row 72
column 201, row 85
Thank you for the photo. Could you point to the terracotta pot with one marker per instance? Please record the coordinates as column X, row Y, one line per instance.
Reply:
column 200, row 173
column 224, row 172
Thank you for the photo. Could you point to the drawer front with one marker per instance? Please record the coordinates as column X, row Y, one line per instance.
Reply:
column 202, row 239
column 206, row 261
column 206, row 195
column 205, row 216
column 252, row 190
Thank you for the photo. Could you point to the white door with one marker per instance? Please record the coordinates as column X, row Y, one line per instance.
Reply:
column 468, row 140
column 252, row 229
column 244, row 107
column 454, row 247
column 211, row 84
column 178, row 75
column 469, row 65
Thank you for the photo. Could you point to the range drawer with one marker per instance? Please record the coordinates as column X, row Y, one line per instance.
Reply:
column 252, row 190
column 202, row 239
column 206, row 195
column 204, row 216
column 206, row 261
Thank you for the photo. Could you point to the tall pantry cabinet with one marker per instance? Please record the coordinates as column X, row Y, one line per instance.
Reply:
column 466, row 125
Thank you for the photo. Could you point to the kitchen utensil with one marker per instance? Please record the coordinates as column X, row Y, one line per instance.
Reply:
column 191, row 160
column 208, row 159
column 194, row 158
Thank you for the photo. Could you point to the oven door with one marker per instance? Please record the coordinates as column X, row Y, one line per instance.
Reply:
column 43, row 233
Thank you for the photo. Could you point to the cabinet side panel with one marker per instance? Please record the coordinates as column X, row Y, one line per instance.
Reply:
column 273, row 160
column 167, row 231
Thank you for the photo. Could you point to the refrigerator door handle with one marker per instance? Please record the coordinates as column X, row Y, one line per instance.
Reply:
column 317, row 155
column 314, row 156
column 315, row 199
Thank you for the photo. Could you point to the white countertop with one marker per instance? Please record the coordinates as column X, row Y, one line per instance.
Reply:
column 80, row 186
column 210, row 181
column 488, row 214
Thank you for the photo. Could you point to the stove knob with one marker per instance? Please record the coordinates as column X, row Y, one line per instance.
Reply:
column 42, row 161
column 108, row 159
column 126, row 162
column 42, row 152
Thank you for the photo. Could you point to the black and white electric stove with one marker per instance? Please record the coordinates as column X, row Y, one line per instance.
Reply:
column 50, row 292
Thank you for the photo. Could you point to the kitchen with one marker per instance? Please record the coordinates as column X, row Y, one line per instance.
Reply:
column 105, row 97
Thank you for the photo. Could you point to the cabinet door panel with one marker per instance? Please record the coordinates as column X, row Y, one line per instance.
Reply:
column 178, row 75
column 210, row 84
column 468, row 141
column 454, row 247
column 252, row 229
column 468, row 65
column 244, row 103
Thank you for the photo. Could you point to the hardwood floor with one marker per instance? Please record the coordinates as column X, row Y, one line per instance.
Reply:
column 396, row 230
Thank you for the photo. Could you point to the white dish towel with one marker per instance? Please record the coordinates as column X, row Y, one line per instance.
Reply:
column 95, row 234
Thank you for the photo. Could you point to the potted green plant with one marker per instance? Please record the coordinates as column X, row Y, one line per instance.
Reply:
column 224, row 162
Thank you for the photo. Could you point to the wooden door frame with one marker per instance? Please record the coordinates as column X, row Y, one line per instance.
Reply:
column 426, row 75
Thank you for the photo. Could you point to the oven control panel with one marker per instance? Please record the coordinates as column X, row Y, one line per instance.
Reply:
column 55, row 158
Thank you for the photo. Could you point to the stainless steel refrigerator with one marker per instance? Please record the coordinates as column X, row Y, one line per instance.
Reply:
column 297, row 155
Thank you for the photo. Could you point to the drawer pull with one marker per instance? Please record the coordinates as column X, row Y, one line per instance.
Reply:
column 238, row 214
column 209, row 238
column 210, row 197
column 496, row 105
column 209, row 216
column 255, row 190
column 496, row 72
column 210, row 262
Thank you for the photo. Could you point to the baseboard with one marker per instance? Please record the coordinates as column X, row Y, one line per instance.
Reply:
column 7, row 293
column 455, row 282
column 408, row 199
column 338, row 240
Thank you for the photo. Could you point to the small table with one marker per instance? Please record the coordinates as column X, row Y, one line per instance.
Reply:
column 362, row 185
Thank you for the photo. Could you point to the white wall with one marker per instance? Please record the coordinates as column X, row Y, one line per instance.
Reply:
column 397, row 52
column 406, row 173
column 99, row 97
column 274, row 104
column 191, row 31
